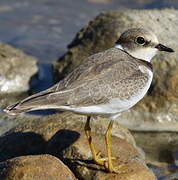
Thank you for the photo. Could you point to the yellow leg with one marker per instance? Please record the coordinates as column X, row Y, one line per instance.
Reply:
column 109, row 165
column 91, row 145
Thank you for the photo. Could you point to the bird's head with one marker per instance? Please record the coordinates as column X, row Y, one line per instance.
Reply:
column 140, row 43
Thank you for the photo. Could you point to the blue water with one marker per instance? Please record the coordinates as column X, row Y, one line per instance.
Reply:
column 44, row 28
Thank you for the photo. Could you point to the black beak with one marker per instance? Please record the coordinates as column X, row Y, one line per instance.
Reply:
column 161, row 47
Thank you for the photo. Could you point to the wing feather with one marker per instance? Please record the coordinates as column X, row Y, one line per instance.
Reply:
column 101, row 77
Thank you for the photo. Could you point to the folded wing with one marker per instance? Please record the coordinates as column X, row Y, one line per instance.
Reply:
column 99, row 78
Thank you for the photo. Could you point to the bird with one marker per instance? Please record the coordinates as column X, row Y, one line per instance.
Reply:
column 104, row 84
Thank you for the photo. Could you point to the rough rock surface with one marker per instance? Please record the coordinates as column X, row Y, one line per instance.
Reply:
column 158, row 110
column 161, row 152
column 16, row 69
column 62, row 135
column 39, row 167
column 7, row 121
column 161, row 146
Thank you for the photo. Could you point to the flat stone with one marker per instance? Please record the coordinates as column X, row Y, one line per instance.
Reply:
column 38, row 167
column 62, row 135
column 158, row 110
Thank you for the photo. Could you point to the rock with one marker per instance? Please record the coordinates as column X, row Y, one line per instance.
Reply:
column 161, row 145
column 16, row 69
column 158, row 110
column 7, row 121
column 62, row 135
column 39, row 167
column 161, row 152
column 16, row 72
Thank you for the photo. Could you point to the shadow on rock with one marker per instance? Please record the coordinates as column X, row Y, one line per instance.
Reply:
column 61, row 141
column 20, row 143
column 29, row 143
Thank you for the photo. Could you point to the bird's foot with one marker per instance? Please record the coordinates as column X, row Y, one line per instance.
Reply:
column 121, row 169
column 100, row 160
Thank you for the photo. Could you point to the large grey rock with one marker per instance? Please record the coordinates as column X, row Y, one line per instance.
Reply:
column 62, row 135
column 16, row 69
column 158, row 110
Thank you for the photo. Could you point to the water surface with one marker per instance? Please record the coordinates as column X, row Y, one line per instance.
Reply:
column 44, row 28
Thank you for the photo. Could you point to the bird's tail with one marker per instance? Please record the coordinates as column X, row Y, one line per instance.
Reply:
column 43, row 100
column 16, row 109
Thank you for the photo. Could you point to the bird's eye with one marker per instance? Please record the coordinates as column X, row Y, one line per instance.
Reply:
column 140, row 40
